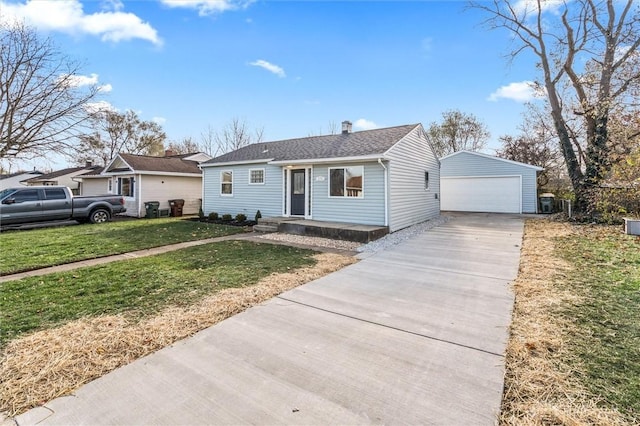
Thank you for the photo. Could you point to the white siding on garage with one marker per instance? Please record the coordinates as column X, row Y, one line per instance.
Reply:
column 246, row 199
column 165, row 188
column 469, row 164
column 409, row 201
column 94, row 186
column 367, row 210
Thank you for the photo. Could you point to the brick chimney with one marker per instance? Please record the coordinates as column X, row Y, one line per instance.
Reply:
column 168, row 152
column 346, row 127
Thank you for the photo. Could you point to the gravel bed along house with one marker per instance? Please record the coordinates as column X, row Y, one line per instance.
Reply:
column 380, row 244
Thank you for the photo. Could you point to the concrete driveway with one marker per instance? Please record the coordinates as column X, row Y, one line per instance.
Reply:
column 410, row 335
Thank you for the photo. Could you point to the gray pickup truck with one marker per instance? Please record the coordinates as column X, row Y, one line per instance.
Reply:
column 50, row 203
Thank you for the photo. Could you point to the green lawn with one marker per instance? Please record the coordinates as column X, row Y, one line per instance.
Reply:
column 38, row 248
column 140, row 287
column 606, row 276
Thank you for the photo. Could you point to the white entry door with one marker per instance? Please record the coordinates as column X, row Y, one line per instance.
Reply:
column 500, row 194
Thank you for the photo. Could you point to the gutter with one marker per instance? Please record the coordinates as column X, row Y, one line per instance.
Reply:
column 386, row 193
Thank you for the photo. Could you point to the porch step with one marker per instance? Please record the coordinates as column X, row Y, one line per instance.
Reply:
column 265, row 228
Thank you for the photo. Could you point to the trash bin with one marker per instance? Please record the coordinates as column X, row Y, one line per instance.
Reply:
column 547, row 203
column 176, row 207
column 152, row 209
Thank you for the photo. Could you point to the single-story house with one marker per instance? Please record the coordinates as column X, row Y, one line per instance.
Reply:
column 386, row 177
column 140, row 179
column 11, row 180
column 64, row 177
column 476, row 182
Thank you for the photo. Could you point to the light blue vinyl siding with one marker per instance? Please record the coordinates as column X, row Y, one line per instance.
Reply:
column 246, row 198
column 367, row 210
column 466, row 164
column 409, row 201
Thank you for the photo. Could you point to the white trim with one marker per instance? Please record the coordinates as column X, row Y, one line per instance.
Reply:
column 264, row 176
column 234, row 163
column 491, row 157
column 305, row 162
column 345, row 196
column 386, row 192
column 226, row 183
column 285, row 202
column 309, row 205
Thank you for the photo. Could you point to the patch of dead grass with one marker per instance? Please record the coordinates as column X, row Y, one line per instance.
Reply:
column 51, row 363
column 541, row 389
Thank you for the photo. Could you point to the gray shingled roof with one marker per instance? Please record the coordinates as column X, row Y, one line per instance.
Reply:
column 356, row 144
column 161, row 164
column 57, row 173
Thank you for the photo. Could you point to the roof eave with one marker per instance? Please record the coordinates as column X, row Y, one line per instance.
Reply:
column 353, row 159
column 235, row 163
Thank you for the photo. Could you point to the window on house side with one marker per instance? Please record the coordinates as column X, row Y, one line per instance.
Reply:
column 226, row 183
column 125, row 187
column 256, row 176
column 426, row 180
column 346, row 182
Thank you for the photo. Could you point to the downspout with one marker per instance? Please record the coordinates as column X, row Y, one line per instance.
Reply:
column 386, row 193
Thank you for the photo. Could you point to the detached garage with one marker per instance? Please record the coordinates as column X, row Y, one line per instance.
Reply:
column 475, row 182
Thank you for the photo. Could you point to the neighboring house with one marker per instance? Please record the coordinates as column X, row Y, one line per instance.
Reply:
column 141, row 178
column 11, row 180
column 476, row 182
column 64, row 177
column 387, row 177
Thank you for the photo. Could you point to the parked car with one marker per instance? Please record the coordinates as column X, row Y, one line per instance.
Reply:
column 51, row 203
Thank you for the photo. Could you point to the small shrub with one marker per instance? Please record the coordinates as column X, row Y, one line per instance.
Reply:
column 258, row 215
column 227, row 217
column 201, row 214
column 213, row 216
column 241, row 217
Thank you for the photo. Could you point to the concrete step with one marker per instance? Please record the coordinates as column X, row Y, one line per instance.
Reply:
column 265, row 228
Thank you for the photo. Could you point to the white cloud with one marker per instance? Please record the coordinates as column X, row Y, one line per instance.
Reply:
column 269, row 67
column 99, row 106
column 82, row 80
column 67, row 16
column 526, row 7
column 521, row 91
column 209, row 7
column 365, row 124
column 105, row 88
column 159, row 120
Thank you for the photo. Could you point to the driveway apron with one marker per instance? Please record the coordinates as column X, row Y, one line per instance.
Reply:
column 414, row 334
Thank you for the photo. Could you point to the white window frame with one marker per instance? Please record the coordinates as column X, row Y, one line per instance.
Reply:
column 110, row 185
column 222, row 194
column 426, row 180
column 264, row 176
column 360, row 197
column 132, row 188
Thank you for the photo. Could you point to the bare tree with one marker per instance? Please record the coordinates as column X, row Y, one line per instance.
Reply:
column 116, row 132
column 42, row 101
column 185, row 146
column 234, row 135
column 564, row 36
column 457, row 131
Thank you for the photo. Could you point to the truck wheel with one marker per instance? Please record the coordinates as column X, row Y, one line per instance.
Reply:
column 99, row 216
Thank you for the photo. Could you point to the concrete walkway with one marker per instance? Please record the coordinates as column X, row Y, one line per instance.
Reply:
column 410, row 335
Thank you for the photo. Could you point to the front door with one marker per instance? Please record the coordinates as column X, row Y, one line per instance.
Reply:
column 297, row 192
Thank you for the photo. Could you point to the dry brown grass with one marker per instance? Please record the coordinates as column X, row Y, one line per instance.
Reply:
column 50, row 363
column 541, row 389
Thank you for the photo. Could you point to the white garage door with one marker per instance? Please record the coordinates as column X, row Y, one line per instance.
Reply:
column 481, row 194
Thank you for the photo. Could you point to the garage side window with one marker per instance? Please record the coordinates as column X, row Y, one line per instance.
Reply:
column 256, row 176
column 226, row 183
column 426, row 180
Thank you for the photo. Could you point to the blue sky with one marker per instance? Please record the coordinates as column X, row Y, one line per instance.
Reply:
column 290, row 67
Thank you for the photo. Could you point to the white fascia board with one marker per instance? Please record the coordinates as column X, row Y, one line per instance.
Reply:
column 152, row 173
column 235, row 163
column 356, row 159
column 493, row 157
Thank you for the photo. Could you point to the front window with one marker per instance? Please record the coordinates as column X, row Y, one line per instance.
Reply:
column 125, row 187
column 26, row 195
column 256, row 176
column 346, row 182
column 226, row 183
